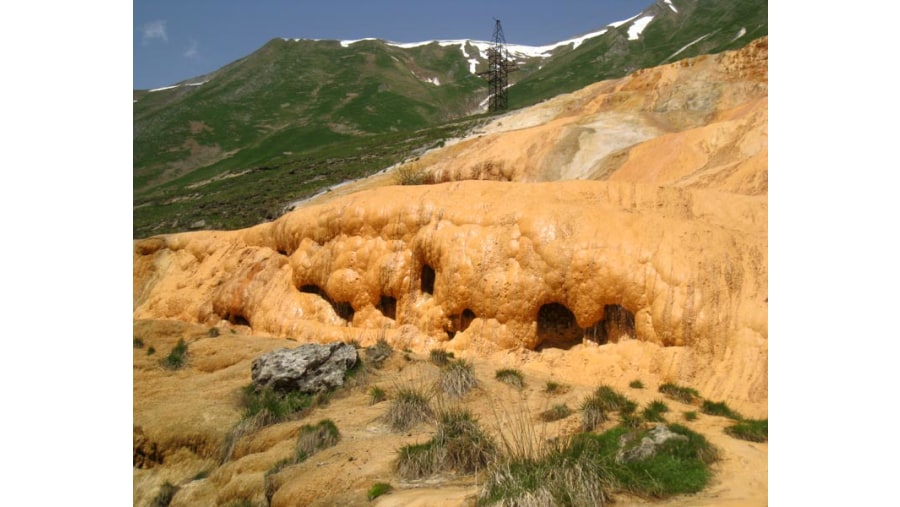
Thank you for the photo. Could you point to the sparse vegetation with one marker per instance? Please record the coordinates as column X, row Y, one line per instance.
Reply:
column 313, row 439
column 459, row 445
column 604, row 399
column 151, row 350
column 630, row 420
column 510, row 376
column 164, row 497
column 753, row 430
column 440, row 357
column 378, row 489
column 654, row 411
column 409, row 407
column 636, row 384
column 138, row 343
column 690, row 416
column 413, row 173
column 377, row 353
column 611, row 400
column 679, row 393
column 177, row 357
column 376, row 395
column 271, row 485
column 552, row 387
column 457, row 378
column 720, row 409
column 213, row 332
column 592, row 413
column 556, row 412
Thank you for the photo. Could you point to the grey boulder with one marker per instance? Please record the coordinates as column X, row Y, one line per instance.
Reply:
column 310, row 368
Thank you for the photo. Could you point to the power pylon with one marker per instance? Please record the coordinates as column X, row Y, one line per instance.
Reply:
column 498, row 71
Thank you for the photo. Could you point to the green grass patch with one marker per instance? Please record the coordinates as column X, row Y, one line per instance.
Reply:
column 636, row 384
column 654, row 411
column 690, row 416
column 679, row 393
column 138, row 343
column 377, row 489
column 313, row 439
column 719, row 408
column 151, row 350
column 177, row 358
column 511, row 377
column 584, row 470
column 273, row 405
column 754, row 430
column 611, row 400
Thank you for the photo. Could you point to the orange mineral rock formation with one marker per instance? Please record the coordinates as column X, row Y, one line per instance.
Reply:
column 669, row 250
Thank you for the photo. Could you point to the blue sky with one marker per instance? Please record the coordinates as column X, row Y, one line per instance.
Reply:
column 176, row 40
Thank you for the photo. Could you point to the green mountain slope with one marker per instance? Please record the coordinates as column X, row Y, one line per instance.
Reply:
column 232, row 148
column 679, row 29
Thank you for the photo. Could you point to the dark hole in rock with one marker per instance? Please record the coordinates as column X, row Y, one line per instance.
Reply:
column 237, row 320
column 459, row 323
column 313, row 289
column 557, row 327
column 388, row 307
column 428, row 275
column 617, row 321
column 465, row 320
column 343, row 310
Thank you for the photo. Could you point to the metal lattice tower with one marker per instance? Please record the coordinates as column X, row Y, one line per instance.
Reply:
column 498, row 71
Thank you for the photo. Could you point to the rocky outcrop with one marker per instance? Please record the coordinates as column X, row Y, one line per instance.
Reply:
column 310, row 368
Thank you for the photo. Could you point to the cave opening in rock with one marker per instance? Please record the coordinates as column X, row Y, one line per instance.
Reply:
column 557, row 327
column 342, row 309
column 237, row 319
column 388, row 307
column 427, row 282
column 617, row 323
column 461, row 322
column 313, row 289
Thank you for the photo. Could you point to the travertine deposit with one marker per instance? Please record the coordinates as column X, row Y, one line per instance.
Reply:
column 670, row 249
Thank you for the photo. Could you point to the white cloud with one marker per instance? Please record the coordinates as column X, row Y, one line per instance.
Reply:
column 155, row 30
column 191, row 51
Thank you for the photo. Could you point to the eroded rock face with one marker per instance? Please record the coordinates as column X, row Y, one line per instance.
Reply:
column 310, row 368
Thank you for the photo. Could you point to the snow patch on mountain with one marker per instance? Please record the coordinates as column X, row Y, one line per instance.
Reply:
column 671, row 6
column 634, row 31
column 673, row 55
column 177, row 86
